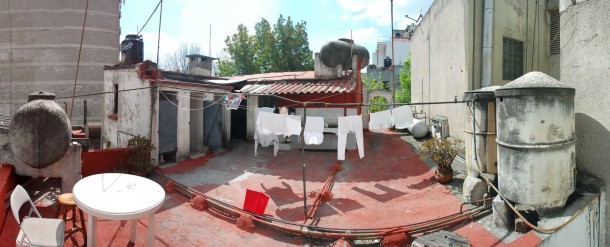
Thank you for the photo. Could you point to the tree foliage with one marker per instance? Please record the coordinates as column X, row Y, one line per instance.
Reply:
column 376, row 83
column 278, row 48
column 404, row 95
column 177, row 60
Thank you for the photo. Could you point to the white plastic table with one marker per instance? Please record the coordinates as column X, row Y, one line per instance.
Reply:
column 117, row 196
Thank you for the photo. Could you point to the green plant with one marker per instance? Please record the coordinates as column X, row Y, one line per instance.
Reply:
column 140, row 160
column 377, row 103
column 440, row 151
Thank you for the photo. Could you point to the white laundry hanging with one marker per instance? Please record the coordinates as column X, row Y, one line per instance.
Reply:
column 380, row 120
column 314, row 130
column 346, row 125
column 403, row 117
column 270, row 125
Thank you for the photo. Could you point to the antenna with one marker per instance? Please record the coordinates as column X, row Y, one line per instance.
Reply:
column 419, row 15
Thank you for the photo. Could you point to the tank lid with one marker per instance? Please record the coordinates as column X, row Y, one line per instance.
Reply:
column 535, row 83
column 133, row 36
column 481, row 93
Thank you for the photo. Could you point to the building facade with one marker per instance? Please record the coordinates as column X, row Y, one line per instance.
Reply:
column 448, row 57
column 39, row 50
column 180, row 117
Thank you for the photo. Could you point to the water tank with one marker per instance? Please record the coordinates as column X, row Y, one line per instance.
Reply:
column 480, row 128
column 132, row 49
column 387, row 62
column 340, row 52
column 536, row 142
column 39, row 45
column 40, row 133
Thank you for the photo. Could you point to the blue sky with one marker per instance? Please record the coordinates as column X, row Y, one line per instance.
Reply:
column 190, row 20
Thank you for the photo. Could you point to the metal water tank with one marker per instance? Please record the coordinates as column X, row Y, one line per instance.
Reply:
column 340, row 52
column 536, row 141
column 132, row 49
column 39, row 46
column 480, row 128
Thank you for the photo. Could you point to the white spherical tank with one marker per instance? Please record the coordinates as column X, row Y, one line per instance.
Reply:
column 39, row 47
column 536, row 141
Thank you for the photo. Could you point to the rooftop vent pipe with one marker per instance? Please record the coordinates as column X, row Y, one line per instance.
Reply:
column 488, row 31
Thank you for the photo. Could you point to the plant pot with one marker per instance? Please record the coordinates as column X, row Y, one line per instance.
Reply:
column 443, row 175
column 121, row 169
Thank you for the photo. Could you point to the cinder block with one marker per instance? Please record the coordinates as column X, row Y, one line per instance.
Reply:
column 502, row 215
column 473, row 189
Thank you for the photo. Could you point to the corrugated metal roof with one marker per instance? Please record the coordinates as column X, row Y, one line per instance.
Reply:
column 295, row 82
column 340, row 85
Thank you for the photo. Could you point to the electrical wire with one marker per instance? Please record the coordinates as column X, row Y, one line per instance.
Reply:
column 80, row 49
column 102, row 93
column 151, row 14
column 188, row 109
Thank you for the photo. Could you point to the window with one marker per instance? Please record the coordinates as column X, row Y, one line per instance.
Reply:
column 554, row 33
column 115, row 106
column 512, row 59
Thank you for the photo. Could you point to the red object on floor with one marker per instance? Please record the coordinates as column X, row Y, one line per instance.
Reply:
column 255, row 201
column 7, row 184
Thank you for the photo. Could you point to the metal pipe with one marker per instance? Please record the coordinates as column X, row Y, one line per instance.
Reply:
column 303, row 160
column 488, row 30
column 393, row 84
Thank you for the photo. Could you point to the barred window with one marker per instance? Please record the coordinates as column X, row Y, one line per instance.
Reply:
column 512, row 59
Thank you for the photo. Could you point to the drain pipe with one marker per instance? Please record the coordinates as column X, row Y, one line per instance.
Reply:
column 488, row 31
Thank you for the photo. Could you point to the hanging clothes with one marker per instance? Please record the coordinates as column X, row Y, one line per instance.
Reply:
column 380, row 120
column 270, row 125
column 403, row 117
column 264, row 109
column 346, row 125
column 314, row 130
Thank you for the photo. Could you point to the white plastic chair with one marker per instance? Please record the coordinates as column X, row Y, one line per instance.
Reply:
column 35, row 231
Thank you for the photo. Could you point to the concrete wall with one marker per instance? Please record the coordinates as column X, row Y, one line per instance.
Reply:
column 39, row 44
column 585, row 43
column 446, row 51
column 439, row 62
column 582, row 231
column 134, row 111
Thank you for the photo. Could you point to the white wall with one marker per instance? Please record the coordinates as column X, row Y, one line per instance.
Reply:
column 585, row 54
column 134, row 113
column 439, row 67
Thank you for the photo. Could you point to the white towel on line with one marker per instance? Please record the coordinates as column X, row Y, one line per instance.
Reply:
column 403, row 117
column 380, row 120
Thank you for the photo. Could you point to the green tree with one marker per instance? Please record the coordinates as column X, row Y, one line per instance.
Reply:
column 283, row 47
column 241, row 48
column 404, row 95
column 375, row 83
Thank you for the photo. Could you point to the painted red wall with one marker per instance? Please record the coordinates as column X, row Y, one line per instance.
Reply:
column 103, row 161
column 7, row 184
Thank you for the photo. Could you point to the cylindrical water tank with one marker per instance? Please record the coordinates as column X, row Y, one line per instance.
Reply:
column 418, row 128
column 480, row 128
column 132, row 49
column 340, row 52
column 39, row 47
column 536, row 141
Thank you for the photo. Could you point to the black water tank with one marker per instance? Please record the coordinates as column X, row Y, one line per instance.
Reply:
column 340, row 52
column 387, row 62
column 132, row 49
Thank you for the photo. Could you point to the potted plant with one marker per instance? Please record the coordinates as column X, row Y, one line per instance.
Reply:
column 442, row 152
column 140, row 160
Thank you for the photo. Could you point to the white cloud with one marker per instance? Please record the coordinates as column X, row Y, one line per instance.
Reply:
column 377, row 11
column 168, row 44
column 362, row 36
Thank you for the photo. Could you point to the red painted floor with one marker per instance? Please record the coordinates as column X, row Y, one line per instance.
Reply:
column 390, row 186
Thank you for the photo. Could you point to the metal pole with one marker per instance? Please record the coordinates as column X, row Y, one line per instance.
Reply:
column 392, row 85
column 85, row 113
column 303, row 160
